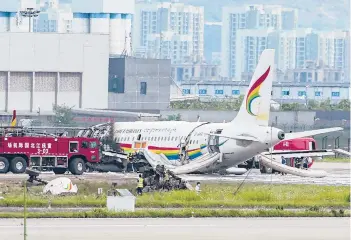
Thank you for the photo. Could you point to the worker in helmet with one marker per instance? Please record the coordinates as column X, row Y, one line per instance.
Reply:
column 166, row 182
column 140, row 185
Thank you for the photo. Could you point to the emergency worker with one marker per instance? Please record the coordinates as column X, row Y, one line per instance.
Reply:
column 166, row 183
column 140, row 185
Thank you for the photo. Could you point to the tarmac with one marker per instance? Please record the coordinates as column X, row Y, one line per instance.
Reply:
column 338, row 175
column 175, row 229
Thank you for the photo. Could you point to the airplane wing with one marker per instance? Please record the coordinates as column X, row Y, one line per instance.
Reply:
column 245, row 138
column 294, row 135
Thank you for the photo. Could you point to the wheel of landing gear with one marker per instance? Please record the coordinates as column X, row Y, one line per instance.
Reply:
column 59, row 170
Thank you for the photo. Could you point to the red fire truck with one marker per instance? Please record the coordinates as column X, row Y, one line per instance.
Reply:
column 291, row 150
column 294, row 151
column 296, row 145
column 19, row 151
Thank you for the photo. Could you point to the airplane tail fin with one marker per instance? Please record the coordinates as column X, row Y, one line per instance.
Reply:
column 255, row 107
column 14, row 119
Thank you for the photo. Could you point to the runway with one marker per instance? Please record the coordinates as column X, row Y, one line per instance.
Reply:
column 338, row 175
column 175, row 229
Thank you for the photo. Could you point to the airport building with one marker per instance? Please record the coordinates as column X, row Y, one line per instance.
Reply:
column 139, row 84
column 282, row 92
column 38, row 70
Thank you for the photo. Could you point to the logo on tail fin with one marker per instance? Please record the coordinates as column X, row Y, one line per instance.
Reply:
column 254, row 91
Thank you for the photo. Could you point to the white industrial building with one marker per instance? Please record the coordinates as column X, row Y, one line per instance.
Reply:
column 164, row 25
column 112, row 17
column 38, row 70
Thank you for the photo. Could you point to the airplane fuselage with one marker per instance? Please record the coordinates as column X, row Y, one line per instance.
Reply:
column 169, row 138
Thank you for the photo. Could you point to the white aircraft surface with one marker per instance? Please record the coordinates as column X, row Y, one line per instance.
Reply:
column 202, row 146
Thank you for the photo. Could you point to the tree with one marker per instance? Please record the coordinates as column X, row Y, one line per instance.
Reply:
column 174, row 117
column 312, row 105
column 228, row 103
column 233, row 104
column 344, row 105
column 63, row 115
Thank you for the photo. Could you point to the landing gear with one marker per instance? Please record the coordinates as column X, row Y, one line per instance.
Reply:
column 59, row 170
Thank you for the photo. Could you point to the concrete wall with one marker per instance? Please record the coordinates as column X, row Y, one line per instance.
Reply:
column 42, row 69
column 155, row 72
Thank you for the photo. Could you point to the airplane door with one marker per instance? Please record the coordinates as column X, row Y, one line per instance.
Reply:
column 213, row 141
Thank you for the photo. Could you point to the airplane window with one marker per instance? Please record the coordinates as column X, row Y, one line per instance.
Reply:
column 169, row 138
column 158, row 139
column 197, row 141
column 172, row 139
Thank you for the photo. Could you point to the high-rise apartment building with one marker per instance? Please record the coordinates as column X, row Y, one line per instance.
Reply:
column 333, row 49
column 294, row 48
column 169, row 24
column 250, row 17
column 53, row 18
column 250, row 43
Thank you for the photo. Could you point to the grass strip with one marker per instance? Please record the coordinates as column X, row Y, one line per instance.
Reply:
column 212, row 196
column 181, row 213
column 336, row 159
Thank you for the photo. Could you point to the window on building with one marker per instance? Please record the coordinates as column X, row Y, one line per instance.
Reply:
column 335, row 94
column 285, row 93
column 143, row 88
column 301, row 93
column 218, row 91
column 186, row 91
column 317, row 94
column 116, row 85
column 202, row 91
column 236, row 92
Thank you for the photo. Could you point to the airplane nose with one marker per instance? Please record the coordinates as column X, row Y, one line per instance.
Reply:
column 281, row 135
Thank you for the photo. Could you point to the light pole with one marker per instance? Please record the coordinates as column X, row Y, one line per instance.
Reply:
column 25, row 211
column 29, row 13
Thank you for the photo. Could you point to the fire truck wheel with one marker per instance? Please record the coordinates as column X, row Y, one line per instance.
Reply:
column 59, row 170
column 77, row 166
column 4, row 165
column 18, row 165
